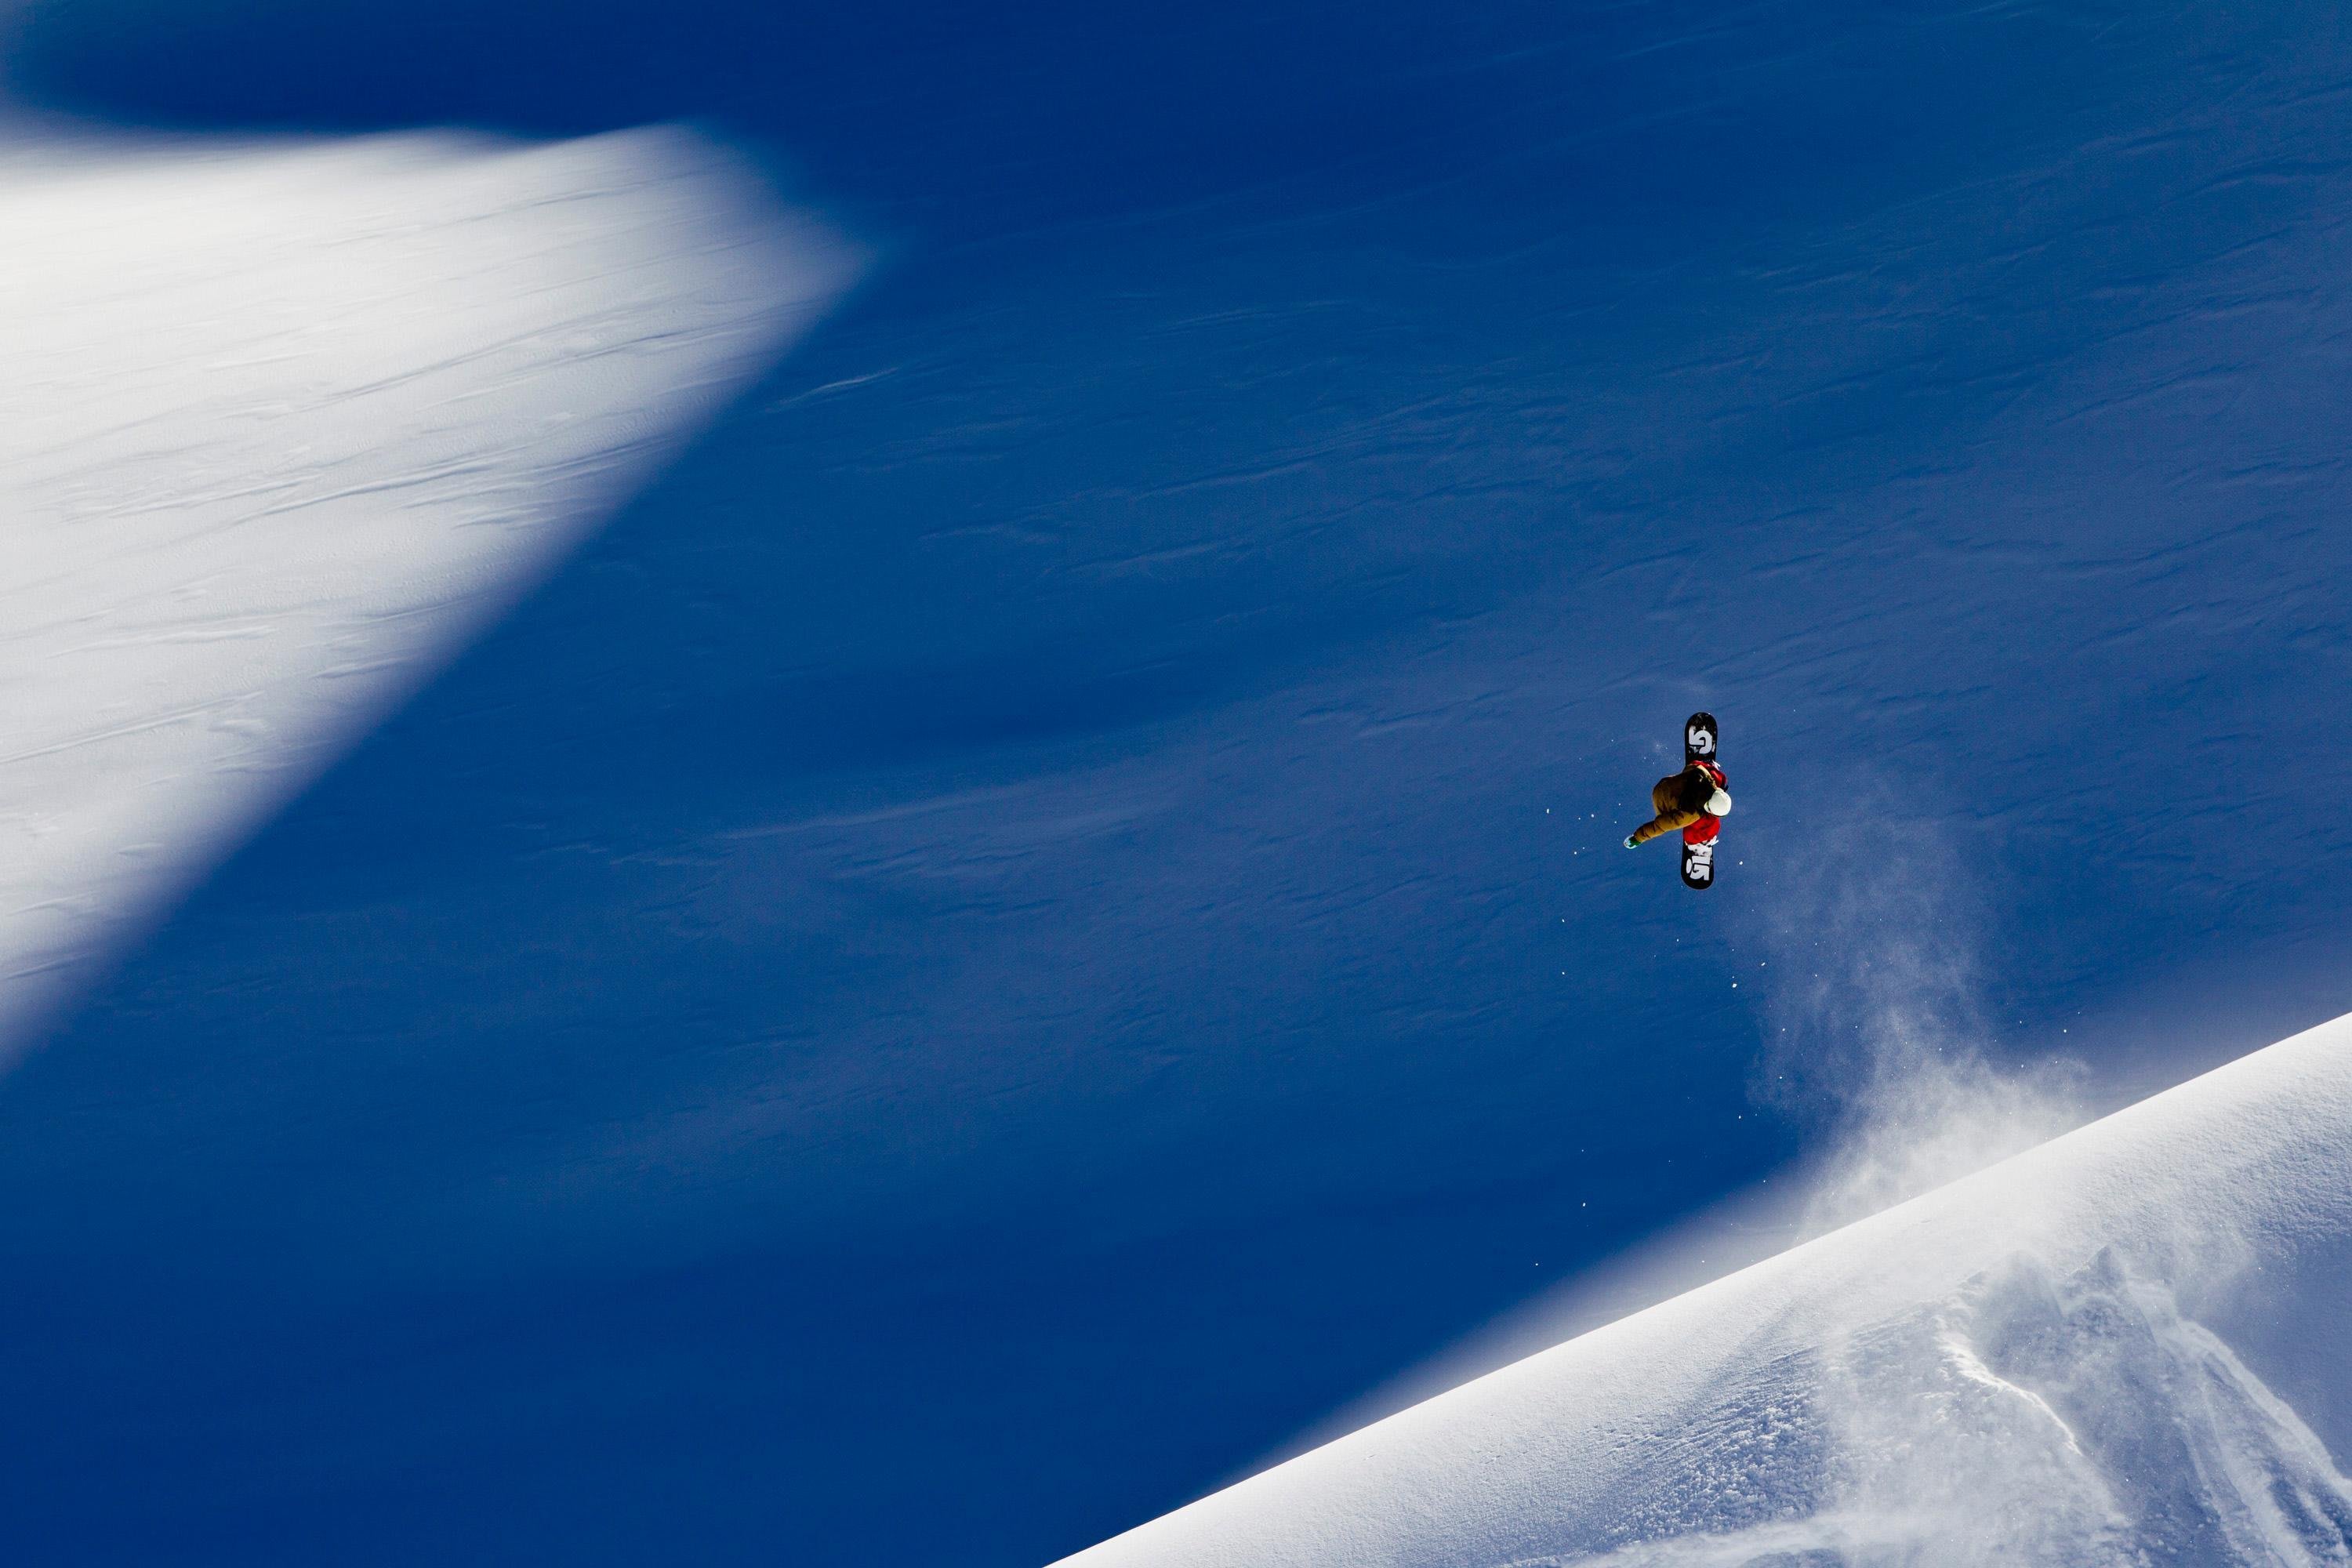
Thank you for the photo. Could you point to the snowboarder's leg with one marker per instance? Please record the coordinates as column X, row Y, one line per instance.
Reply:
column 1662, row 825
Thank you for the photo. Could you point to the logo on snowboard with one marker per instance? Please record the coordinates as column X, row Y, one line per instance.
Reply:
column 1699, row 735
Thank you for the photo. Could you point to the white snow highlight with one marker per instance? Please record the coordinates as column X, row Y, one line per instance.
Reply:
column 2031, row 1365
column 1879, row 1028
column 286, row 422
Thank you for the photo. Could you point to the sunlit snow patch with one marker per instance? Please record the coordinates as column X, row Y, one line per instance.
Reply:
column 284, row 423
column 2010, row 1369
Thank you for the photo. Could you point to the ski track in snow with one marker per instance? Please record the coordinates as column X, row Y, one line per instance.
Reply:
column 287, row 421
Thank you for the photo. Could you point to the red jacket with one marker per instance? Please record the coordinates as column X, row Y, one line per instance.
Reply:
column 1681, row 800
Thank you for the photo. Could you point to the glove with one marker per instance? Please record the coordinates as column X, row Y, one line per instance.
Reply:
column 1629, row 842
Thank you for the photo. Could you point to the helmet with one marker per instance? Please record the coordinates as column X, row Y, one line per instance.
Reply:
column 1719, row 804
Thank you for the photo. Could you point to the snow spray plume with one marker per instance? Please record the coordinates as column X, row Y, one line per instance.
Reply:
column 1877, row 1026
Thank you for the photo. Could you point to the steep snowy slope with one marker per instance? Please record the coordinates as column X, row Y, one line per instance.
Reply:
column 2060, row 1360
column 1040, row 916
column 283, row 422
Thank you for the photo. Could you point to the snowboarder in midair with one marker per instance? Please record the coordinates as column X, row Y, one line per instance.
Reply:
column 1694, row 800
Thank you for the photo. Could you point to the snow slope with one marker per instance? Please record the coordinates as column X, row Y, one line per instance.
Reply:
column 285, row 422
column 2034, row 1364
column 1041, row 913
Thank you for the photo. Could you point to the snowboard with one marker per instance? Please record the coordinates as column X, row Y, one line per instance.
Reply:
column 1698, row 745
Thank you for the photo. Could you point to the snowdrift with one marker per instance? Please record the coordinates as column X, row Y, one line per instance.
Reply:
column 2122, row 1346
column 285, row 421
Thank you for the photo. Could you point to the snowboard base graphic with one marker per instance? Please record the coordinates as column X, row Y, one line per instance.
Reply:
column 1699, row 734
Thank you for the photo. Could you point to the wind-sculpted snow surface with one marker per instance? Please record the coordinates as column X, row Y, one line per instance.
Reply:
column 284, row 421
column 1041, row 915
column 2030, row 1418
column 2032, row 1365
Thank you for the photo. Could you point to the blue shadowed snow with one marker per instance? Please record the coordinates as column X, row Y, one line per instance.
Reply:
column 1044, row 912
